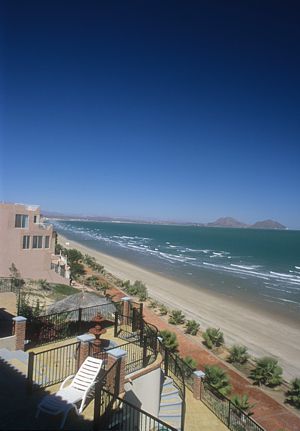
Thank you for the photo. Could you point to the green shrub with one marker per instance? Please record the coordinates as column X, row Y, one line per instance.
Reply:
column 176, row 317
column 217, row 378
column 238, row 354
column 163, row 310
column 267, row 372
column 242, row 403
column 192, row 327
column 169, row 340
column 191, row 362
column 213, row 338
column 293, row 394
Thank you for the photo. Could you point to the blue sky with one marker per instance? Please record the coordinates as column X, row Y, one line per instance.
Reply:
column 169, row 110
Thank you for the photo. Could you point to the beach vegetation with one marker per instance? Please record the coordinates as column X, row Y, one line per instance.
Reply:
column 293, row 394
column 176, row 317
column 28, row 310
column 74, row 256
column 267, row 372
column 238, row 354
column 213, row 337
column 169, row 340
column 192, row 327
column 153, row 303
column 76, row 270
column 190, row 362
column 138, row 288
column 60, row 249
column 217, row 378
column 242, row 403
column 163, row 310
column 43, row 284
column 92, row 263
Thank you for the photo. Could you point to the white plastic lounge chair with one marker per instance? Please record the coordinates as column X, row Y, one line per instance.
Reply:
column 67, row 397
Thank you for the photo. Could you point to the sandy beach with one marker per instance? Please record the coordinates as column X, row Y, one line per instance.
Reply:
column 262, row 334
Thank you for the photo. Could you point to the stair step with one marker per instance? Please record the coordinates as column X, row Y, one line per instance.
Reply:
column 19, row 365
column 170, row 400
column 169, row 391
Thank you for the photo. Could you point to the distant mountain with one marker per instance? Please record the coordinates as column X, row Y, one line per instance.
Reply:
column 268, row 224
column 226, row 222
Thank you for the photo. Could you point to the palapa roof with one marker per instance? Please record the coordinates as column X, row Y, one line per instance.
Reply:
column 81, row 300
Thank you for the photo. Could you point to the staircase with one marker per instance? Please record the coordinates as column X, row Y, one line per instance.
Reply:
column 170, row 410
column 16, row 358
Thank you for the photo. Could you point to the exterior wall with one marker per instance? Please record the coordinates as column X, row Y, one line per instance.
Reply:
column 8, row 343
column 144, row 392
column 32, row 262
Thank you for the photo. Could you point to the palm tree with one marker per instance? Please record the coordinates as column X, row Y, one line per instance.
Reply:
column 163, row 310
column 192, row 327
column 176, row 317
column 238, row 354
column 267, row 372
column 213, row 337
column 293, row 394
column 169, row 340
column 242, row 403
column 217, row 378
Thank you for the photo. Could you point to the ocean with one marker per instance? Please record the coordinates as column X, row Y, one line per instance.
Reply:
column 259, row 268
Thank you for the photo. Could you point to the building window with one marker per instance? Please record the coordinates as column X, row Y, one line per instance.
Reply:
column 37, row 241
column 26, row 241
column 47, row 241
column 34, row 219
column 21, row 220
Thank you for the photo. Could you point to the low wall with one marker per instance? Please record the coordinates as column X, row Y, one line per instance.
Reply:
column 8, row 343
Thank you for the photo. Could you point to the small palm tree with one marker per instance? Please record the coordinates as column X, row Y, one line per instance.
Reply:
column 169, row 340
column 238, row 354
column 267, row 372
column 217, row 378
column 242, row 403
column 192, row 327
column 213, row 338
column 163, row 310
column 190, row 362
column 293, row 394
column 176, row 317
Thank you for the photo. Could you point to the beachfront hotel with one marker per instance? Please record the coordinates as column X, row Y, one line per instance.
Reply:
column 29, row 244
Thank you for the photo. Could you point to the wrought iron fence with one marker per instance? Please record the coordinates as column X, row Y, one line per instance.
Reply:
column 10, row 284
column 58, row 326
column 52, row 366
column 118, row 414
column 226, row 411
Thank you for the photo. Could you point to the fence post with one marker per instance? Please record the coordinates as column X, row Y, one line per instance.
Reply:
column 30, row 372
column 117, row 386
column 229, row 408
column 79, row 319
column 166, row 361
column 85, row 340
column 97, row 405
column 20, row 331
column 198, row 376
column 144, row 352
column 116, row 324
column 126, row 310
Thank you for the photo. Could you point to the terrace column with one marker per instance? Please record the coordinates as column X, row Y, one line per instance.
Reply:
column 126, row 310
column 116, row 378
column 84, row 345
column 198, row 376
column 20, row 331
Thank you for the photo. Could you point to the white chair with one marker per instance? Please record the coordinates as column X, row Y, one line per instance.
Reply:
column 67, row 397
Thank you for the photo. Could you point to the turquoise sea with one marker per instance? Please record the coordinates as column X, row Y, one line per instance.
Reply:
column 260, row 268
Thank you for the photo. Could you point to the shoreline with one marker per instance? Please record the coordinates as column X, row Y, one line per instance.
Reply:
column 264, row 335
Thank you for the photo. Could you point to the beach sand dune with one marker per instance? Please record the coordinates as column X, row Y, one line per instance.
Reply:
column 263, row 334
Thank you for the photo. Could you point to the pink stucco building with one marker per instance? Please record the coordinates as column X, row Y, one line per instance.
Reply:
column 29, row 244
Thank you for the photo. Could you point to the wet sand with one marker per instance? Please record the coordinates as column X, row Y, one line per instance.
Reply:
column 262, row 333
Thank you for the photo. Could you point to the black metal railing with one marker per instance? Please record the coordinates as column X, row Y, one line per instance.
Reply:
column 234, row 418
column 52, row 366
column 10, row 284
column 118, row 414
column 58, row 326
